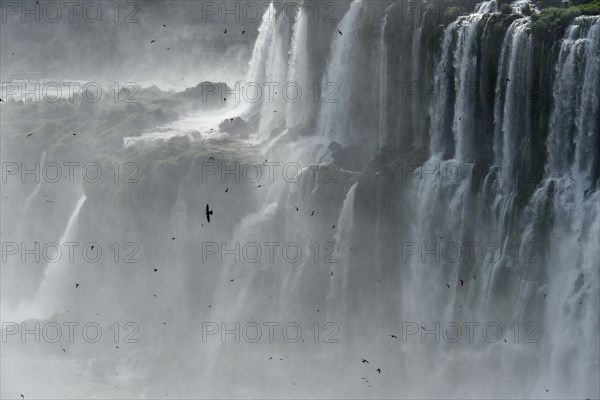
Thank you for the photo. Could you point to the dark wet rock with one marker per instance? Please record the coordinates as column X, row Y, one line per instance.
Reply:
column 235, row 126
column 350, row 158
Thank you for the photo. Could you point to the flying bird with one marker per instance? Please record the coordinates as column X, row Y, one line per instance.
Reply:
column 340, row 32
column 209, row 212
column 76, row 285
column 297, row 209
column 152, row 41
column 333, row 227
column 225, row 31
column 243, row 32
column 378, row 370
column 364, row 361
column 211, row 158
column 313, row 213
column 155, row 269
column 461, row 282
column 21, row 396
column 394, row 336
column 29, row 134
column 226, row 190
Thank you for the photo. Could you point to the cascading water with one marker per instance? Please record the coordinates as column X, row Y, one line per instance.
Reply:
column 442, row 225
column 331, row 122
column 55, row 282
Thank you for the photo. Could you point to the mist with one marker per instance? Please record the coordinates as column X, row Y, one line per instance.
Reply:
column 300, row 199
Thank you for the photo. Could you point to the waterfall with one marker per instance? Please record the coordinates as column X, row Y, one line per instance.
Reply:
column 512, row 113
column 258, row 62
column 275, row 71
column 442, row 176
column 56, row 275
column 332, row 120
column 338, row 287
column 465, row 65
column 440, row 109
column 299, row 97
column 574, row 120
column 382, row 86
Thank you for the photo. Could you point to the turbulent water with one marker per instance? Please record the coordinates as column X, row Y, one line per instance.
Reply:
column 466, row 164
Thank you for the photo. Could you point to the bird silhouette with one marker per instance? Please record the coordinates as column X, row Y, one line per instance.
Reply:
column 21, row 396
column 461, row 282
column 76, row 285
column 243, row 32
column 29, row 134
column 364, row 361
column 211, row 158
column 378, row 370
column 209, row 212
column 331, row 273
column 152, row 41
column 155, row 269
column 313, row 213
column 340, row 32
column 226, row 190
column 448, row 285
column 225, row 31
column 394, row 336
column 333, row 227
column 297, row 209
